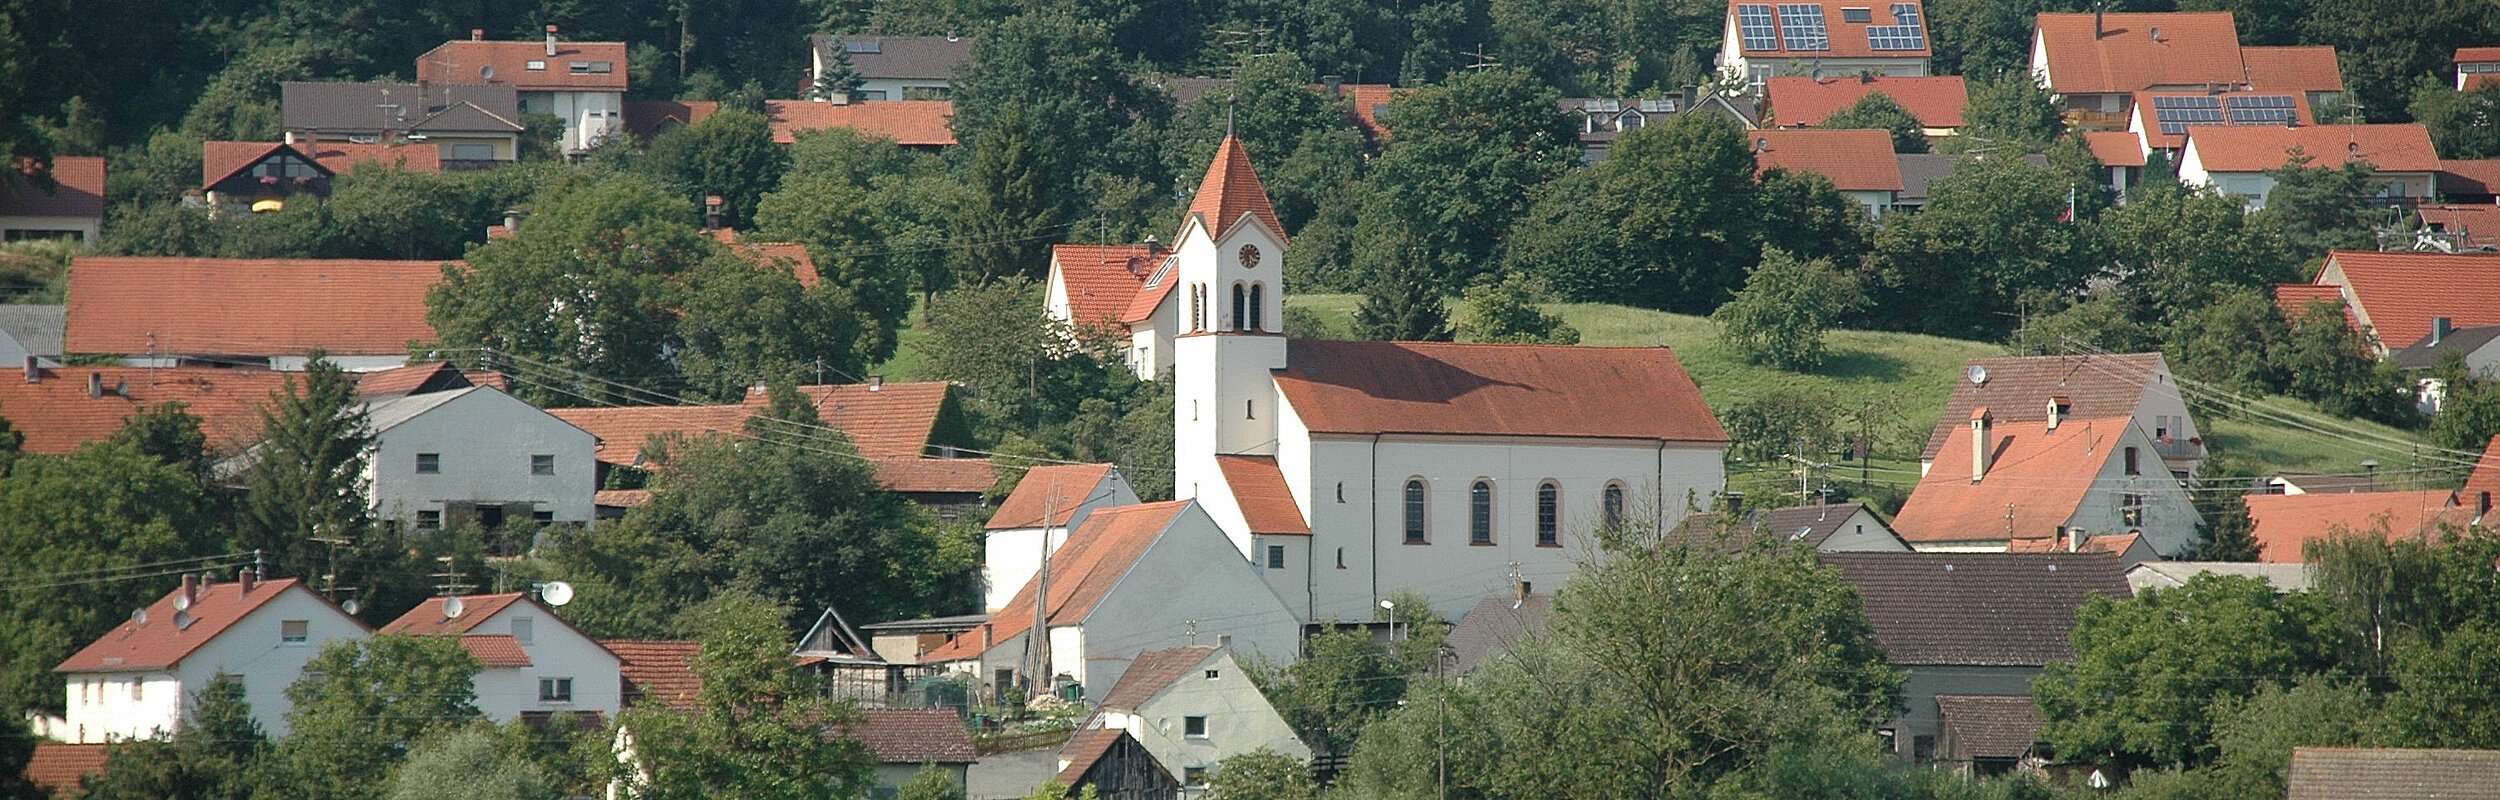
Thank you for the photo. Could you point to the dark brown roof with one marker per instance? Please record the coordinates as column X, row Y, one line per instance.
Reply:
column 647, row 119
column 2018, row 390
column 1808, row 524
column 1152, row 672
column 2388, row 773
column 159, row 643
column 1495, row 625
column 1987, row 726
column 1052, row 490
column 78, row 191
column 903, row 57
column 1977, row 609
column 1495, row 389
column 914, row 736
column 341, row 108
column 57, row 768
column 657, row 671
column 1086, row 747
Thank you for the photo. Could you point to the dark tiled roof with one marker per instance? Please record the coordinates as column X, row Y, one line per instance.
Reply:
column 35, row 327
column 2373, row 773
column 1085, row 748
column 2018, row 390
column 78, row 191
column 1984, row 726
column 1152, row 672
column 2425, row 355
column 358, row 107
column 1496, row 624
column 914, row 736
column 1919, row 171
column 910, row 57
column 1977, row 609
column 1809, row 524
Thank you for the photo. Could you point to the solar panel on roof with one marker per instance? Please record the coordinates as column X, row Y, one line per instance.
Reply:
column 1907, row 33
column 2263, row 109
column 1803, row 28
column 1753, row 22
column 2175, row 112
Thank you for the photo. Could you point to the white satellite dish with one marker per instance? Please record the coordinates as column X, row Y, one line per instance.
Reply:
column 182, row 601
column 1978, row 374
column 350, row 606
column 556, row 593
column 183, row 620
column 452, row 607
column 138, row 616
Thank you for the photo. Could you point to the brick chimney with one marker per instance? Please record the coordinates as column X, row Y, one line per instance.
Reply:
column 477, row 34
column 249, row 578
column 190, row 588
column 34, row 370
column 95, row 385
column 1979, row 441
column 551, row 41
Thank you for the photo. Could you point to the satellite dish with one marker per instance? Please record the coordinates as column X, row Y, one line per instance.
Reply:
column 138, row 616
column 183, row 620
column 182, row 601
column 1978, row 374
column 350, row 606
column 556, row 593
column 452, row 607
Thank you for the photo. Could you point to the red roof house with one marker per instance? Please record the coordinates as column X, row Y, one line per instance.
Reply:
column 60, row 408
column 2124, row 53
column 2285, row 523
column 2477, row 67
column 910, row 123
column 2398, row 296
column 1859, row 162
column 263, row 631
column 219, row 310
column 1798, row 101
column 60, row 769
column 73, row 205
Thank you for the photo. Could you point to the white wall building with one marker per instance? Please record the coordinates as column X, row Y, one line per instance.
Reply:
column 1821, row 38
column 533, row 662
column 479, row 454
column 581, row 83
column 145, row 677
column 1193, row 707
column 1050, row 501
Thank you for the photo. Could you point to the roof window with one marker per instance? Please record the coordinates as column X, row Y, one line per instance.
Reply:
column 862, row 46
column 1859, row 14
column 537, row 66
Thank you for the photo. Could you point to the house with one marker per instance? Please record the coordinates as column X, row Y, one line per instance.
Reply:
column 851, row 669
column 59, row 769
column 1797, row 101
column 581, row 83
column 914, row 124
column 790, row 257
column 2484, row 482
column 2458, row 228
column 1498, row 623
column 1859, row 162
column 72, row 208
column 1988, row 734
column 646, row 120
column 1920, row 172
column 1600, row 120
column 2399, row 298
column 2477, row 67
column 2000, row 481
column 2286, row 523
column 891, row 67
column 2150, row 575
column 60, row 408
column 260, row 176
column 1920, row 606
column 2297, row 483
column 656, row 673
column 2096, row 62
column 1131, row 579
column 1826, row 527
column 528, row 670
column 424, row 378
column 908, row 740
column 2388, row 773
column 1188, row 708
column 2474, row 346
column 31, row 330
column 2469, row 181
column 2135, row 386
column 1367, row 106
column 2234, row 159
column 909, row 641
column 2129, row 547
column 476, row 455
column 2121, row 153
column 1115, row 766
column 1034, row 520
column 473, row 125
column 1089, row 289
column 2161, row 120
column 1822, row 37
column 142, row 678
column 270, row 313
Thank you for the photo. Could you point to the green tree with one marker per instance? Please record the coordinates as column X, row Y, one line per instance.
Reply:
column 218, row 753
column 930, row 783
column 839, row 78
column 470, row 763
column 760, row 732
column 2007, row 113
column 1346, row 680
column 2437, row 702
column 362, row 706
column 2233, row 343
column 167, row 431
column 2330, row 364
column 2470, row 414
column 2178, row 251
column 1086, row 116
column 1787, row 303
column 1878, row 111
column 1020, row 182
column 305, row 482
column 1297, row 137
column 2462, row 124
column 1668, row 221
column 17, row 746
column 1262, row 774
column 1401, row 291
column 873, row 217
column 729, row 154
column 1464, row 162
column 2386, row 590
column 1803, row 214
column 1506, row 311
column 2316, row 209
column 2149, row 672
column 1990, row 234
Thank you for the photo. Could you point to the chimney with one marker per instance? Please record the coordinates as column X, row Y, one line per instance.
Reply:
column 190, row 588
column 1979, row 441
column 2074, row 540
column 290, row 137
column 2440, row 328
column 711, row 212
column 1224, row 640
column 1524, row 589
column 477, row 34
column 34, row 370
column 1736, row 502
column 986, row 630
column 512, row 220
column 551, row 41
column 1866, row 77
column 2156, row 32
column 1335, row 84
column 2057, row 410
column 249, row 578
column 876, row 383
column 2099, row 29
column 95, row 385
column 1761, row 144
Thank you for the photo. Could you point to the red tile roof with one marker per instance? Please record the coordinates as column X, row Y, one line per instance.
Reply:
column 1231, row 190
column 1266, row 502
column 2478, row 225
column 1800, row 101
column 2115, row 148
column 251, row 307
column 1365, row 102
column 57, row 415
column 1094, row 559
column 2286, row 522
column 2398, row 293
column 936, row 475
column 2018, row 389
column 495, row 650
column 1495, row 389
column 158, row 643
column 2250, row 148
column 2195, row 49
column 625, row 431
column 2293, row 69
column 656, row 671
column 2486, row 475
column 2147, row 118
column 2478, row 55
column 621, row 498
column 471, row 61
column 1101, row 279
column 2117, row 543
column 1052, row 489
column 777, row 255
column 428, row 617
column 2478, row 176
column 1151, row 672
column 221, row 160
column 58, row 768
column 1848, row 39
column 2036, row 479
column 1855, row 160
column 894, row 420
column 910, row 123
column 2293, row 299
column 913, row 736
column 1150, row 296
column 78, row 191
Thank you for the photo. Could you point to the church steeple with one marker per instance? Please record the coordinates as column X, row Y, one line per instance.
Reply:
column 1230, row 190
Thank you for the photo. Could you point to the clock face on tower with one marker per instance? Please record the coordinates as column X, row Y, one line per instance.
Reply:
column 1249, row 256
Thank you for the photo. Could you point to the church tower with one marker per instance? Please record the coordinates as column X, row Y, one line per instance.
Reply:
column 1229, row 264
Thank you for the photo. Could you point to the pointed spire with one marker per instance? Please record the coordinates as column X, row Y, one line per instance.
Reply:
column 1231, row 189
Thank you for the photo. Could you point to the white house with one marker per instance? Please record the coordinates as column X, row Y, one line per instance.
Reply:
column 72, row 209
column 893, row 67
column 2234, row 160
column 1822, row 37
column 146, row 675
column 2135, row 386
column 476, row 454
column 1996, row 482
column 1131, row 579
column 581, row 83
column 1035, row 519
column 533, row 663
column 1348, row 471
column 1189, row 708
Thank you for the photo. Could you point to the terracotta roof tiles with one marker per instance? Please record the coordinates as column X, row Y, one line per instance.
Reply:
column 1846, row 39
column 2255, row 148
column 2035, row 481
column 57, row 413
column 1151, row 672
column 910, row 123
column 2485, row 477
column 2285, row 523
column 2398, row 293
column 2309, row 68
column 647, row 119
column 2194, row 49
column 1101, row 279
column 472, row 61
column 78, row 191
column 251, row 307
column 1977, row 609
column 1801, row 101
column 1052, row 489
column 936, row 475
column 890, row 420
column 1367, row 104
column 913, row 736
column 1855, row 160
column 1489, row 389
column 495, row 650
column 428, row 617
column 2292, row 301
column 1231, row 190
column 59, row 769
column 658, row 671
column 1266, row 502
column 2148, row 119
column 158, row 643
column 775, row 255
column 2478, row 226
column 1094, row 558
column 2115, row 148
column 1141, row 306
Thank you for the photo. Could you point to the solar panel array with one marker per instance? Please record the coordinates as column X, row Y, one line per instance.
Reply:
column 1909, row 32
column 1803, row 27
column 2175, row 113
column 2263, row 109
column 1754, row 23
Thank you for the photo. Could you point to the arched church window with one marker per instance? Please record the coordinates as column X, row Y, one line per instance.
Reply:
column 1258, row 307
column 1480, row 513
column 1241, row 306
column 1548, row 514
column 1612, row 507
column 1415, row 511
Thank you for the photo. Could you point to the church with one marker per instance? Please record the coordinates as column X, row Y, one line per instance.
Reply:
column 1347, row 472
